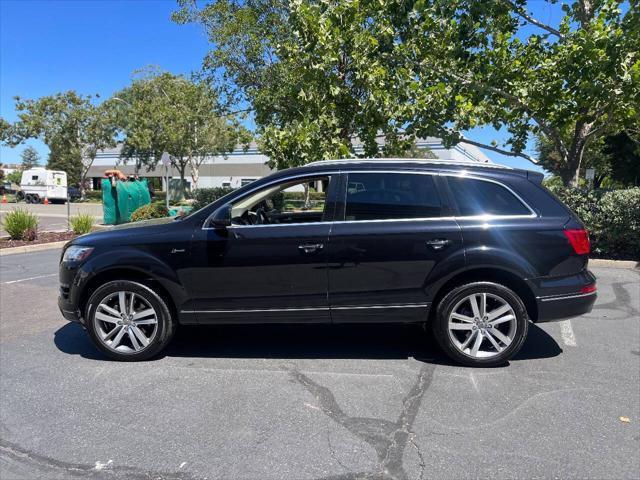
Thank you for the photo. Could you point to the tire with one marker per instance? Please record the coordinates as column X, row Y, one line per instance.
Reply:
column 19, row 196
column 129, row 333
column 502, row 324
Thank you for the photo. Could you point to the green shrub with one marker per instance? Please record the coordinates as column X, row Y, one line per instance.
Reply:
column 300, row 195
column 21, row 224
column 152, row 210
column 81, row 223
column 204, row 196
column 159, row 195
column 93, row 195
column 612, row 218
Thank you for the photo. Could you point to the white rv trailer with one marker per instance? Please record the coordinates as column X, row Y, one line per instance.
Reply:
column 39, row 183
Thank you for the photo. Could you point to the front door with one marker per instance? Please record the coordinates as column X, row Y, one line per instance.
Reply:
column 270, row 264
column 388, row 245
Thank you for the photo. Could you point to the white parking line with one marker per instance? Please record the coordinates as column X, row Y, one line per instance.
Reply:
column 30, row 278
column 566, row 330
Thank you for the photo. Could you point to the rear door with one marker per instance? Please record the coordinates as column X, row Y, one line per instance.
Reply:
column 392, row 238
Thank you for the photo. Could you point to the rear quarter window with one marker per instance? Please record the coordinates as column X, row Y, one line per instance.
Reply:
column 480, row 197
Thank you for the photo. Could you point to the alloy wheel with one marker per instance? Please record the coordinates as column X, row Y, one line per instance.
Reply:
column 482, row 325
column 125, row 322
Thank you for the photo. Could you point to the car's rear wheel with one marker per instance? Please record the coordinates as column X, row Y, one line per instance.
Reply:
column 128, row 321
column 481, row 324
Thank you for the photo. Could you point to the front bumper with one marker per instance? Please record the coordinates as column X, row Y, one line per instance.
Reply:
column 561, row 297
column 68, row 294
column 67, row 309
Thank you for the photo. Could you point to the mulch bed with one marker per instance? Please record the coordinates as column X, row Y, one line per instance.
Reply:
column 43, row 237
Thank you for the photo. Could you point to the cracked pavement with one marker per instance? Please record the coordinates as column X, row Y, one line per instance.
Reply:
column 314, row 402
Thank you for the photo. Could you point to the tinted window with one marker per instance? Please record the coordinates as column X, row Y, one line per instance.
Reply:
column 477, row 197
column 379, row 196
column 299, row 201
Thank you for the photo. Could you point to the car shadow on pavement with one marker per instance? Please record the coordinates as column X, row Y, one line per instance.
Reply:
column 372, row 341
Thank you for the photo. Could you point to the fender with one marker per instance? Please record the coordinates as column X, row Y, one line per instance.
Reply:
column 500, row 258
column 476, row 259
column 136, row 260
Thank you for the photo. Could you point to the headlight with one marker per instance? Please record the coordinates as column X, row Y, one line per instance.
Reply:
column 76, row 253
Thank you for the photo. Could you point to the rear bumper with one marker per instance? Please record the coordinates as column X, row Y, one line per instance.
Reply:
column 565, row 306
column 562, row 297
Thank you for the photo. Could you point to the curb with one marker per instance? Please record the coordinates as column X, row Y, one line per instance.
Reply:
column 32, row 248
column 626, row 264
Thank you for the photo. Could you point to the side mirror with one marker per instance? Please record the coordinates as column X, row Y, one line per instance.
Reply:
column 222, row 217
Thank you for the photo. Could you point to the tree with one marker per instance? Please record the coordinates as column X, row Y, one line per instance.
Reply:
column 571, row 82
column 14, row 177
column 30, row 158
column 308, row 83
column 418, row 152
column 624, row 154
column 161, row 112
column 66, row 156
column 68, row 123
column 594, row 156
column 317, row 73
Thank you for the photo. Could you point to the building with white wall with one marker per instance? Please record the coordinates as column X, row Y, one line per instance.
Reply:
column 243, row 166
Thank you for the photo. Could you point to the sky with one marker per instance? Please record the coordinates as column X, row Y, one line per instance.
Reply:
column 94, row 46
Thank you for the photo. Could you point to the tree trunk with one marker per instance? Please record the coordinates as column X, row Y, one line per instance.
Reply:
column 574, row 157
column 306, row 195
column 195, row 173
column 182, row 167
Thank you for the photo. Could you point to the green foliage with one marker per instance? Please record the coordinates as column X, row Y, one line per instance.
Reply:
column 624, row 155
column 20, row 224
column 30, row 158
column 612, row 218
column 81, row 223
column 94, row 195
column 14, row 177
column 318, row 73
column 152, row 210
column 204, row 196
column 69, row 124
column 418, row 152
column 65, row 156
column 615, row 158
column 161, row 112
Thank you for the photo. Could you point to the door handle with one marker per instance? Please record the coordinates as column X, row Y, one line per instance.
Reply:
column 308, row 248
column 438, row 243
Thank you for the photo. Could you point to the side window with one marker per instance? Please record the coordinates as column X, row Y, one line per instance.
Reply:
column 299, row 201
column 478, row 197
column 381, row 196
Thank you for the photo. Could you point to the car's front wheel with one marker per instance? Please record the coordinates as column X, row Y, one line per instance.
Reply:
column 481, row 324
column 128, row 321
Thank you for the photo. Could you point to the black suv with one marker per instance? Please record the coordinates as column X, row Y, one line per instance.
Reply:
column 473, row 250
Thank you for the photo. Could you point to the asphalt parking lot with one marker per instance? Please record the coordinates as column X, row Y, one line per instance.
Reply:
column 315, row 402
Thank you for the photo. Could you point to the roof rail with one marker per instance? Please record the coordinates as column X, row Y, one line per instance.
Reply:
column 432, row 161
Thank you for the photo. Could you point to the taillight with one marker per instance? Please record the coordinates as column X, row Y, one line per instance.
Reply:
column 588, row 288
column 579, row 240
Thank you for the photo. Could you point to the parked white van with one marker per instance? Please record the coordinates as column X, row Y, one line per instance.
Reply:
column 39, row 183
